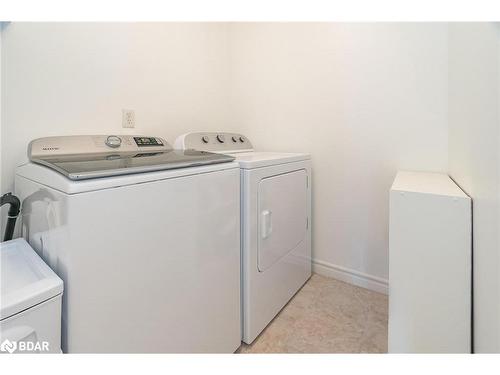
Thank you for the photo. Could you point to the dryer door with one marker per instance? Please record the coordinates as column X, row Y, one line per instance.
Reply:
column 282, row 216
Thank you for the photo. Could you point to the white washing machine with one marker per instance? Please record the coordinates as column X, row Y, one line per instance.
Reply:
column 146, row 239
column 276, row 224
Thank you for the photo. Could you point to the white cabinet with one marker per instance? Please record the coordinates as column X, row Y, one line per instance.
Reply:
column 430, row 259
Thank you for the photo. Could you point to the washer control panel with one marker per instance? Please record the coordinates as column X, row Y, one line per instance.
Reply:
column 95, row 144
column 213, row 142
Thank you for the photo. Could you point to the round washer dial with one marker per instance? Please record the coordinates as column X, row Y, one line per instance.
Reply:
column 113, row 141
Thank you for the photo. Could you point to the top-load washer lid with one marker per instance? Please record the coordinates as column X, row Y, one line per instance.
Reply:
column 26, row 279
column 85, row 157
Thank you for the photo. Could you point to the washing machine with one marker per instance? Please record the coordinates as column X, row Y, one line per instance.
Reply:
column 145, row 238
column 275, row 224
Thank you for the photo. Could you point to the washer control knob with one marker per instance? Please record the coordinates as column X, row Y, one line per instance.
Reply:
column 113, row 141
column 234, row 139
column 220, row 138
column 242, row 139
column 204, row 139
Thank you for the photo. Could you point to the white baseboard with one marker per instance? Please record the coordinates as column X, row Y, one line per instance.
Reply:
column 351, row 276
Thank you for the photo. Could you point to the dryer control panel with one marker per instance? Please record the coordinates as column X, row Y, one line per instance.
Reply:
column 214, row 142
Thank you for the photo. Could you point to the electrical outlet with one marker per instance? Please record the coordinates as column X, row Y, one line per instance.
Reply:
column 128, row 118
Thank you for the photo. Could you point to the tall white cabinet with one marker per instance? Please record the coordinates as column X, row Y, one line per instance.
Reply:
column 430, row 265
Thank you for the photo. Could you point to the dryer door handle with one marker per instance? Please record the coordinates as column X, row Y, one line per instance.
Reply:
column 266, row 223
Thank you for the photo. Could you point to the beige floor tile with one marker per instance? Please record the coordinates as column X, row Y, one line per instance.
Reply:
column 327, row 316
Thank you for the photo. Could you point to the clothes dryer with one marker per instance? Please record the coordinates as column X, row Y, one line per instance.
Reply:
column 275, row 224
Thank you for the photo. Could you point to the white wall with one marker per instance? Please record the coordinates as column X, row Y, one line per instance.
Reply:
column 3, row 210
column 365, row 100
column 76, row 78
column 474, row 161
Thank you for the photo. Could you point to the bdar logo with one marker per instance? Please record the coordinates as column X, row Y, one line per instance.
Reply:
column 8, row 346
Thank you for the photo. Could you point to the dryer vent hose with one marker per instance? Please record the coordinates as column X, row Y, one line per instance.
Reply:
column 13, row 213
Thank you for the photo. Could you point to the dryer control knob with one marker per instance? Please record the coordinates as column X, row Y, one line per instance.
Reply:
column 220, row 138
column 204, row 139
column 242, row 139
column 234, row 139
column 113, row 141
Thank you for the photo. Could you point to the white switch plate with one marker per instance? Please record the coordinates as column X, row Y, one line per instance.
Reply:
column 128, row 118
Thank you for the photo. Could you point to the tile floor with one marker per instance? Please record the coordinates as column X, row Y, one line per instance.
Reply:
column 327, row 316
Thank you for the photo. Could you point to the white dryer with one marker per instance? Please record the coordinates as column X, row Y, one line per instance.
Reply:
column 275, row 220
column 146, row 239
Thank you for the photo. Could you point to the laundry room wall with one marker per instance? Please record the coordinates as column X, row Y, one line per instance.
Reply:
column 474, row 161
column 3, row 210
column 75, row 78
column 365, row 100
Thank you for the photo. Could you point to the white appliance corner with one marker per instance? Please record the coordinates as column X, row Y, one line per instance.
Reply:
column 351, row 276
